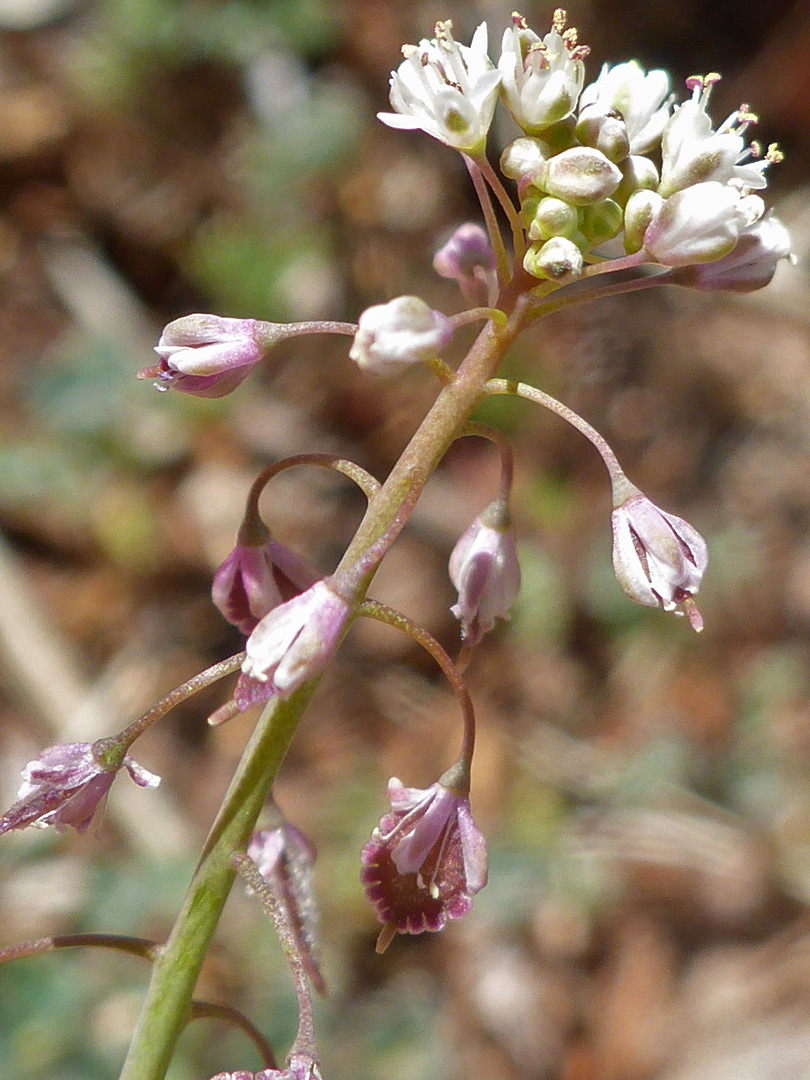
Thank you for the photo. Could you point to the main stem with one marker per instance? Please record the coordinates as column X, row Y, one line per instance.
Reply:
column 166, row 1006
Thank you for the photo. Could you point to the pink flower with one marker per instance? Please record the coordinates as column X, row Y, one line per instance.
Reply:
column 255, row 578
column 64, row 787
column 299, row 1067
column 425, row 861
column 285, row 858
column 659, row 559
column 485, row 570
column 207, row 355
column 292, row 644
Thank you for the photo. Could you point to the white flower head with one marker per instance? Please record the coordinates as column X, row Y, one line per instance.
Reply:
column 402, row 332
column 693, row 153
column 641, row 98
column 445, row 89
column 542, row 78
column 700, row 224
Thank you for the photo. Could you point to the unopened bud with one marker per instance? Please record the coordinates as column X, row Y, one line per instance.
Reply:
column 604, row 131
column 558, row 259
column 402, row 332
column 580, row 176
column 523, row 157
column 553, row 217
column 642, row 206
column 637, row 173
column 601, row 221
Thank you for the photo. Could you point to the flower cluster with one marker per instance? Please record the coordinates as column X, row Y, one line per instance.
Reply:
column 615, row 158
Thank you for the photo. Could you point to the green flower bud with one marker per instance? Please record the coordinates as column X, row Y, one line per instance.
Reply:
column 642, row 206
column 554, row 217
column 558, row 259
column 602, row 220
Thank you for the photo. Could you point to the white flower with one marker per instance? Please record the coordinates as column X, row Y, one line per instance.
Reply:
column 701, row 223
column 542, row 79
column 640, row 98
column 693, row 153
column 402, row 332
column 445, row 89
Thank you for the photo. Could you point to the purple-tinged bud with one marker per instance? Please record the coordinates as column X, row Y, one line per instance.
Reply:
column 402, row 332
column 292, row 644
column 285, row 857
column 659, row 559
column 208, row 355
column 425, row 860
column 751, row 264
column 65, row 786
column 468, row 258
column 255, row 578
column 558, row 259
column 701, row 224
column 484, row 568
column 580, row 175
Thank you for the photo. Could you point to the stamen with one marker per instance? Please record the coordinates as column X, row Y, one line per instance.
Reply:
column 559, row 19
column 519, row 21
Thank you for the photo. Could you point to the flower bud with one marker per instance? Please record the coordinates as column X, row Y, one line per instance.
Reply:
column 604, row 131
column 484, row 568
column 469, row 259
column 639, row 98
column 402, row 332
column 558, row 259
column 553, row 217
column 700, row 224
column 637, row 173
column 580, row 176
column 641, row 209
column 659, row 559
column 751, row 264
column 601, row 221
column 523, row 157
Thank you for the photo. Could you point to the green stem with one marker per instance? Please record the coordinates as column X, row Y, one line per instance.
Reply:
column 166, row 1006
column 167, row 1003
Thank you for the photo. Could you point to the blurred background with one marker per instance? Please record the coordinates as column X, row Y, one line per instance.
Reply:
column 645, row 792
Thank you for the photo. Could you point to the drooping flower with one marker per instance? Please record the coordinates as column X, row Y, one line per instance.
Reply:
column 445, row 89
column 255, row 578
column 749, row 266
column 425, row 861
column 209, row 356
column 292, row 644
column 484, row 568
column 542, row 79
column 640, row 97
column 402, row 332
column 701, row 224
column 285, row 857
column 468, row 258
column 693, row 153
column 659, row 559
column 65, row 786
